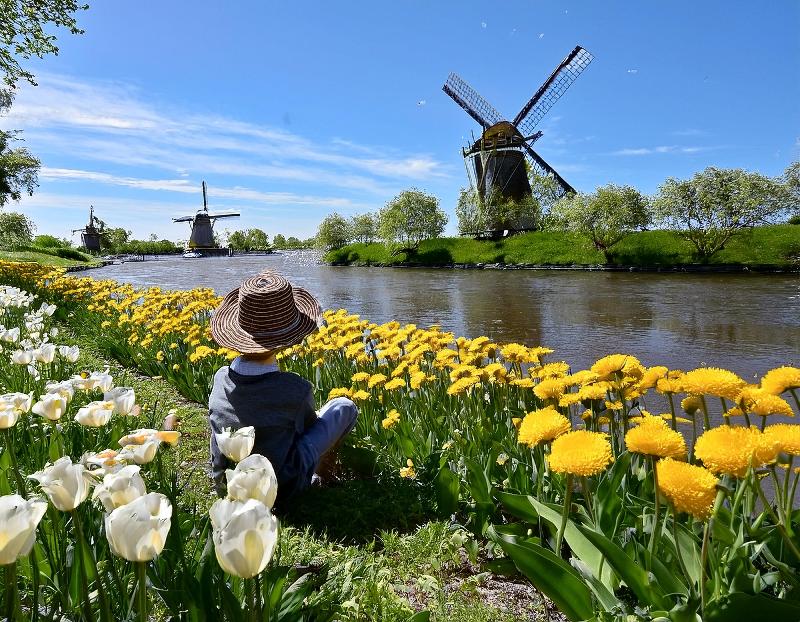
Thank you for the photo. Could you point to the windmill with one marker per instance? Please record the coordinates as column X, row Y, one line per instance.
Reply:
column 498, row 158
column 202, row 236
column 90, row 234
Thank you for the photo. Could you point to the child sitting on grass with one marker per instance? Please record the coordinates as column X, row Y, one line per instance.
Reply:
column 259, row 319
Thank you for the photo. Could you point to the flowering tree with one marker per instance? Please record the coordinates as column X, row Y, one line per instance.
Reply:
column 606, row 216
column 716, row 204
column 410, row 217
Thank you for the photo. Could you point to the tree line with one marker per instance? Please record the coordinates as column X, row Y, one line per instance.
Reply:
column 707, row 210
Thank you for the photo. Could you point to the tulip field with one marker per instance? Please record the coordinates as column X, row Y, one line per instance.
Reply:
column 622, row 491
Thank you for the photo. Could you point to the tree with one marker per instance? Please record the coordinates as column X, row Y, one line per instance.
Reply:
column 257, row 239
column 114, row 239
column 791, row 180
column 15, row 230
column 22, row 32
column 606, row 216
column 278, row 241
column 333, row 232
column 468, row 212
column 409, row 218
column 364, row 227
column 51, row 241
column 19, row 170
column 716, row 204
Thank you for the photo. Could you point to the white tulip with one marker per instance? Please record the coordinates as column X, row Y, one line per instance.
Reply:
column 95, row 414
column 140, row 454
column 8, row 417
column 10, row 336
column 120, row 488
column 21, row 402
column 64, row 389
column 143, row 435
column 102, row 462
column 137, row 531
column 18, row 521
column 69, row 353
column 66, row 484
column 238, row 444
column 45, row 353
column 47, row 309
column 101, row 380
column 33, row 372
column 22, row 357
column 253, row 478
column 50, row 406
column 124, row 400
column 245, row 534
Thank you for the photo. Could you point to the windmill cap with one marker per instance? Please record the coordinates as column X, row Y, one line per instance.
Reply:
column 265, row 313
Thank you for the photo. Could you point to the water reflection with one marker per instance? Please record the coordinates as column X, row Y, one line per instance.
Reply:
column 746, row 323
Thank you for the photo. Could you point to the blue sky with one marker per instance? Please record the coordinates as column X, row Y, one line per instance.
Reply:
column 293, row 110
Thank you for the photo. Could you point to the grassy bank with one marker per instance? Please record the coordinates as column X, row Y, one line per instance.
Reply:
column 46, row 258
column 777, row 246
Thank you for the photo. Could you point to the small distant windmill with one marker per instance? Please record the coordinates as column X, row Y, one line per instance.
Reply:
column 202, row 236
column 90, row 234
column 497, row 158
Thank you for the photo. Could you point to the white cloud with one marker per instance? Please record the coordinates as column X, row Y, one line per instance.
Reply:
column 633, row 71
column 640, row 151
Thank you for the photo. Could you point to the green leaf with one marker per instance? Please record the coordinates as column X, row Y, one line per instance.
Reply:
column 447, row 486
column 739, row 606
column 647, row 591
column 5, row 466
column 421, row 616
column 550, row 574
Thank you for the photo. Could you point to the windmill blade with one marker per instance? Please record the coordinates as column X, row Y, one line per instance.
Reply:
column 543, row 168
column 225, row 215
column 475, row 105
column 183, row 219
column 554, row 87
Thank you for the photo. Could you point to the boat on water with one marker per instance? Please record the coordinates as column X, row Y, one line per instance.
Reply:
column 192, row 255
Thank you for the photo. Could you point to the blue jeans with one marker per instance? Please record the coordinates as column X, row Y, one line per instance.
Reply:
column 334, row 421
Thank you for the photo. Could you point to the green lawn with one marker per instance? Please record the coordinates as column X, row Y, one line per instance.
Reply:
column 776, row 245
column 43, row 258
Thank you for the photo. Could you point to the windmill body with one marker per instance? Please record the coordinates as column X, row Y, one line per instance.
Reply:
column 90, row 234
column 201, row 239
column 499, row 161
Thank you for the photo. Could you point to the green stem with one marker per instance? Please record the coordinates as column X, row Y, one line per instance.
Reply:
column 654, row 533
column 21, row 488
column 141, row 590
column 703, row 557
column 781, row 527
column 796, row 398
column 259, row 605
column 587, row 496
column 672, row 411
column 694, row 437
column 679, row 555
column 564, row 514
column 706, row 419
column 251, row 600
column 13, row 609
column 79, row 544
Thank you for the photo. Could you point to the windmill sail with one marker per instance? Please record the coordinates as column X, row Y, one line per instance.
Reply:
column 553, row 88
column 475, row 105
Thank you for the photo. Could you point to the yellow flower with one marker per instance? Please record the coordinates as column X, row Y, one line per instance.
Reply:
column 408, row 470
column 176, row 367
column 417, row 379
column 361, row 376
column 781, row 379
column 375, row 380
column 494, row 372
column 463, row 371
column 763, row 403
column 160, row 356
column 395, row 383
column 542, row 426
column 787, row 437
column 691, row 404
column 549, row 389
column 608, row 366
column 688, row 487
column 339, row 392
column 462, row 384
column 651, row 376
column 392, row 417
column 593, row 392
column 523, row 383
column 552, row 370
column 580, row 452
column 360, row 396
column 731, row 450
column 653, row 437
column 712, row 381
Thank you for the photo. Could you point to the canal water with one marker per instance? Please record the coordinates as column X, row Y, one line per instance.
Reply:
column 743, row 322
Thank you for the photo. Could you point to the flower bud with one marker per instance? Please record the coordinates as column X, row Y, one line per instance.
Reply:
column 69, row 353
column 95, row 414
column 18, row 521
column 124, row 400
column 45, row 353
column 245, row 534
column 137, row 531
column 237, row 444
column 22, row 357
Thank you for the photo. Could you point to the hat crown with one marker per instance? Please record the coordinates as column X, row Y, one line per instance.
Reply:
column 267, row 305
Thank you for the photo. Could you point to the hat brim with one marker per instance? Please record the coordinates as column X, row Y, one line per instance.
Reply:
column 228, row 333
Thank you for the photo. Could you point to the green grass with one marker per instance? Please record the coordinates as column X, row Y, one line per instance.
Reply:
column 776, row 245
column 382, row 552
column 45, row 259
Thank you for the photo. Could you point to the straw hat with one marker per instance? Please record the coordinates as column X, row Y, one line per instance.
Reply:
column 265, row 313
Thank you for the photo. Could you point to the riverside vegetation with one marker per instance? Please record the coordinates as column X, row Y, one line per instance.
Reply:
column 608, row 488
column 769, row 247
